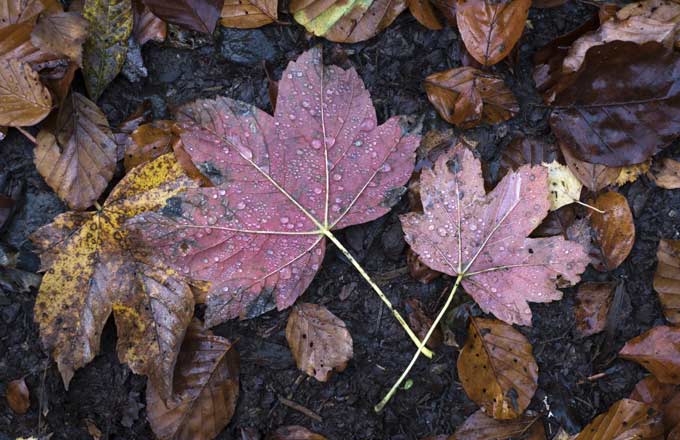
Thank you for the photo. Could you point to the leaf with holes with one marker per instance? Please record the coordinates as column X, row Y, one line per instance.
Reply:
column 667, row 279
column 282, row 184
column 23, row 99
column 197, row 15
column 658, row 350
column 626, row 419
column 93, row 268
column 483, row 237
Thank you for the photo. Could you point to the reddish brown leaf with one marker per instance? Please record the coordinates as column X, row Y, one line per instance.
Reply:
column 622, row 106
column 526, row 151
column 148, row 142
column 479, row 426
column 665, row 398
column 146, row 26
column 318, row 340
column 259, row 234
column 466, row 97
column 497, row 368
column 197, row 15
column 556, row 223
column 23, row 99
column 62, row 33
column 247, row 14
column 626, row 419
column 658, row 350
column 614, row 230
column 491, row 29
column 667, row 279
column 18, row 397
column 419, row 270
column 592, row 305
column 484, row 236
column 15, row 44
column 206, row 389
column 425, row 13
column 667, row 175
column 61, row 87
column 592, row 176
column 674, row 434
column 544, row 4
column 294, row 432
column 421, row 323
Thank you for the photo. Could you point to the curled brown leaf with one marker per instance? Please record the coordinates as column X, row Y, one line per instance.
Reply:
column 614, row 229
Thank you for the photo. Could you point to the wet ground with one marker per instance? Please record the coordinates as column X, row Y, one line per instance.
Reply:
column 392, row 65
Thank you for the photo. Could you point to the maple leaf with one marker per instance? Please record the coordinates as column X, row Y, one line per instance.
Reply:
column 92, row 268
column 282, row 184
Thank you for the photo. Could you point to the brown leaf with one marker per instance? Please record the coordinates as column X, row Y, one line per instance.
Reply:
column 79, row 158
column 667, row 175
column 424, row 12
column 62, row 33
column 626, row 419
column 556, row 223
column 592, row 306
column 491, row 29
column 419, row 270
column 197, row 15
column 61, row 87
column 15, row 44
column 318, row 340
column 18, row 397
column 148, row 142
column 479, row 426
column 146, row 26
column 294, row 432
column 421, row 323
column 674, row 434
column 544, row 4
column 614, row 230
column 667, row 279
column 248, row 14
column 526, row 150
column 18, row 11
column 24, row 100
column 665, row 398
column 466, row 97
column 630, row 173
column 497, row 368
column 206, row 389
column 658, row 350
column 593, row 176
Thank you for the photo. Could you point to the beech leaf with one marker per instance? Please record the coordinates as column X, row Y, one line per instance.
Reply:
column 425, row 13
column 667, row 279
column 18, row 11
column 663, row 397
column 24, row 100
column 614, row 229
column 247, row 14
column 148, row 142
column 62, row 33
column 667, row 175
column 593, row 300
column 15, row 44
column 480, row 426
column 294, row 432
column 483, row 237
column 197, row 15
column 658, row 350
column 593, row 176
column 626, row 419
column 282, row 184
column 17, row 395
column 146, row 26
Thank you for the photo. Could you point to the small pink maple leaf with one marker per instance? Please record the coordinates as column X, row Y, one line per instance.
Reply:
column 281, row 184
column 484, row 237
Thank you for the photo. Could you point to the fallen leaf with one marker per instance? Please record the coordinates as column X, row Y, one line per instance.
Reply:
column 497, row 368
column 425, row 13
column 78, row 160
column 346, row 22
column 626, row 419
column 18, row 397
column 565, row 188
column 318, row 340
column 15, row 44
column 630, row 173
column 421, row 323
column 593, row 176
column 61, row 87
column 294, row 432
column 146, row 26
column 248, row 14
column 105, row 49
column 62, row 33
column 520, row 151
column 24, row 101
column 658, row 350
column 593, row 300
column 197, row 15
column 544, row 4
column 206, row 389
column 614, row 230
column 419, row 270
column 484, row 236
column 631, row 87
column 92, row 268
column 664, row 398
column 19, row 11
column 479, row 426
column 674, row 434
column 93, row 430
column 667, row 279
column 556, row 223
column 667, row 175
column 149, row 141
column 491, row 29
column 466, row 97
column 258, row 245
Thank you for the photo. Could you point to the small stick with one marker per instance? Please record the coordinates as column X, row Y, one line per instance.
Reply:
column 593, row 378
column 297, row 407
column 589, row 206
column 28, row 135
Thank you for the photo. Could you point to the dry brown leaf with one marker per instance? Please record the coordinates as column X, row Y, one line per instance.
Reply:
column 60, row 87
column 466, row 97
column 18, row 397
column 663, row 397
column 79, row 158
column 147, row 26
column 667, row 175
column 294, row 432
column 248, row 14
column 318, row 340
column 18, row 11
column 497, row 368
column 206, row 389
column 658, row 350
column 614, row 230
column 593, row 176
column 592, row 305
column 479, row 426
column 667, row 279
column 630, row 173
column 62, row 33
column 419, row 270
column 626, row 419
column 24, row 100
column 674, row 434
column 148, row 142
column 15, row 44
column 425, row 13
column 421, row 323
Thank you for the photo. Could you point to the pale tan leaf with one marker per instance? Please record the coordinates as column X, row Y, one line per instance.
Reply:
column 24, row 100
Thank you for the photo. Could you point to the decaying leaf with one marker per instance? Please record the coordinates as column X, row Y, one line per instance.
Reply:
column 593, row 300
column 614, row 230
column 491, row 29
column 466, row 97
column 206, row 389
column 479, row 426
column 259, row 234
column 630, row 173
column 247, row 14
column 425, row 13
column 92, row 268
column 497, row 368
column 626, row 419
column 523, row 151
column 18, row 11
column 421, row 323
column 665, row 398
column 418, row 270
column 319, row 341
column 79, row 158
column 593, row 176
column 147, row 27
column 484, row 236
column 62, row 33
column 667, row 279
column 15, row 44
column 667, row 176
column 197, row 15
column 294, row 432
column 148, row 142
column 658, row 350
column 24, row 100
column 346, row 21
column 104, row 51
column 565, row 188
column 18, row 397
column 622, row 106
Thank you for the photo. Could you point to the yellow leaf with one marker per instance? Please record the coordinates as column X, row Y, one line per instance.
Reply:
column 565, row 188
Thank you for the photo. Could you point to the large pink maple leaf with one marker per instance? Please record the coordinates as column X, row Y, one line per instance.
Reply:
column 282, row 183
column 484, row 237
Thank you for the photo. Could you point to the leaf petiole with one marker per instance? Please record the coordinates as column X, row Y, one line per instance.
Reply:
column 589, row 206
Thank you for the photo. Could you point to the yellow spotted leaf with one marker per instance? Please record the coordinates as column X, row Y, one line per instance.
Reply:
column 92, row 269
column 630, row 173
column 565, row 188
column 24, row 100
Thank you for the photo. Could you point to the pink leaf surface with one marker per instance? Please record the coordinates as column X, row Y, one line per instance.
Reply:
column 320, row 163
column 483, row 236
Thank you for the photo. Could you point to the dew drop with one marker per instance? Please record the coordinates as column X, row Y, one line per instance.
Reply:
column 240, row 205
column 385, row 168
column 441, row 232
column 316, row 144
column 473, row 227
column 330, row 140
column 318, row 190
column 367, row 125
column 337, row 177
column 284, row 220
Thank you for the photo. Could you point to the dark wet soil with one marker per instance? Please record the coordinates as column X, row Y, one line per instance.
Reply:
column 392, row 65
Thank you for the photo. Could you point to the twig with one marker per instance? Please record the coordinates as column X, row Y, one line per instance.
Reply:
column 28, row 135
column 299, row 408
column 593, row 378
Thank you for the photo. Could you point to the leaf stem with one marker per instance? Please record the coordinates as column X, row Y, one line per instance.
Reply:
column 28, row 135
column 379, row 407
column 589, row 206
column 421, row 345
